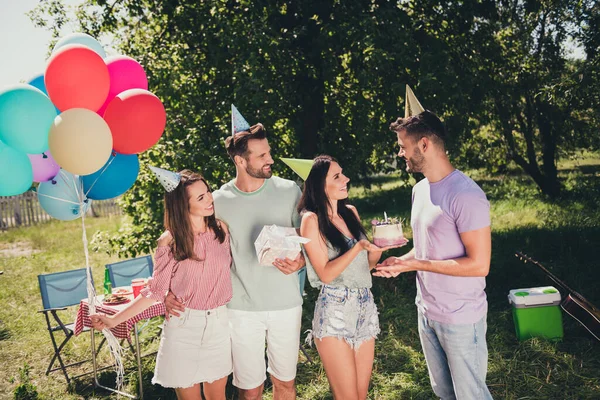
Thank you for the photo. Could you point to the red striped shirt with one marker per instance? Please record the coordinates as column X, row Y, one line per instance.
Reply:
column 202, row 285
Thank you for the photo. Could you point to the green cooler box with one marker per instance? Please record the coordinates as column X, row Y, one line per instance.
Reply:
column 536, row 312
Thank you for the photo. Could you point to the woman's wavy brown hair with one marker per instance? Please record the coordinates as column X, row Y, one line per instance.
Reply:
column 177, row 217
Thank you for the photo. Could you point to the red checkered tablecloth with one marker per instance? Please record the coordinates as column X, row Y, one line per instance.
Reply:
column 121, row 331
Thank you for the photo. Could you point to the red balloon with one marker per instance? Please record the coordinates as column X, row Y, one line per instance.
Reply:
column 77, row 77
column 137, row 120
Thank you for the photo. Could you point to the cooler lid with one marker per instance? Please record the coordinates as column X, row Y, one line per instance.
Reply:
column 532, row 297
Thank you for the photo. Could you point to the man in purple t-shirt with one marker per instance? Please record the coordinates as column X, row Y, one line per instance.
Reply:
column 450, row 219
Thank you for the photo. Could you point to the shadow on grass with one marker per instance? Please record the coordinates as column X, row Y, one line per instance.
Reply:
column 566, row 243
column 84, row 386
column 570, row 253
column 4, row 333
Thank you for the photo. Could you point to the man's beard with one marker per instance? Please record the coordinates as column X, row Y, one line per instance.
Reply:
column 258, row 172
column 417, row 162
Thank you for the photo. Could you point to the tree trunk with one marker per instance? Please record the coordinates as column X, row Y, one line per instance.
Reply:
column 548, row 137
column 312, row 86
column 547, row 180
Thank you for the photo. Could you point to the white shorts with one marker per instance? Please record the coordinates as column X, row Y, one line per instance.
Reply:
column 195, row 347
column 249, row 330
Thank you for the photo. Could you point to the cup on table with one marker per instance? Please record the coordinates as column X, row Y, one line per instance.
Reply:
column 137, row 285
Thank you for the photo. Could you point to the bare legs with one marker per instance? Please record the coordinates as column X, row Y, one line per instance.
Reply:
column 348, row 370
column 281, row 391
column 212, row 391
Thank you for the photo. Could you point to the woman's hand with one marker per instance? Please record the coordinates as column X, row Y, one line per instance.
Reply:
column 370, row 247
column 101, row 321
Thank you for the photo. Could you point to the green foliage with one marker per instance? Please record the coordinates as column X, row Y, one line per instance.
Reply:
column 25, row 390
column 329, row 77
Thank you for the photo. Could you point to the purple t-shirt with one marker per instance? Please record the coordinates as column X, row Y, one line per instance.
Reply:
column 441, row 211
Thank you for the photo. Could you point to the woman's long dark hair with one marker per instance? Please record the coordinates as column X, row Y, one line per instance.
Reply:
column 315, row 199
column 177, row 217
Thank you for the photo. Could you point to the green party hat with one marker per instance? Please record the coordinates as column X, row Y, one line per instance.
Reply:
column 299, row 166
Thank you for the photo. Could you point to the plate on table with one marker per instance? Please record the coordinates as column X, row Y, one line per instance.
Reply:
column 122, row 291
column 115, row 299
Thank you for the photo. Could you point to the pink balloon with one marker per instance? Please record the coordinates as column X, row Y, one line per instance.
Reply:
column 44, row 166
column 125, row 73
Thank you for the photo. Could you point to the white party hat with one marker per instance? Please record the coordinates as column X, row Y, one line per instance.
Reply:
column 169, row 179
column 238, row 123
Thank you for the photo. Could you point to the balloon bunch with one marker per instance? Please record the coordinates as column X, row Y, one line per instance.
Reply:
column 77, row 128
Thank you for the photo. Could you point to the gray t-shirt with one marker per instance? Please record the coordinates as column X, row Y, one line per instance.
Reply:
column 257, row 287
column 441, row 211
column 356, row 275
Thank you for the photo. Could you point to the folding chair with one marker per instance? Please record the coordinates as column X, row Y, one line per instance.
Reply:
column 121, row 273
column 59, row 291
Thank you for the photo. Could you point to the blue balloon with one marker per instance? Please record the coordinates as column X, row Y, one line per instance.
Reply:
column 26, row 115
column 114, row 178
column 38, row 83
column 59, row 197
column 83, row 39
column 16, row 173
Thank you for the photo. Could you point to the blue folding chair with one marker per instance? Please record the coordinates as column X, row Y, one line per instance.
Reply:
column 59, row 291
column 121, row 273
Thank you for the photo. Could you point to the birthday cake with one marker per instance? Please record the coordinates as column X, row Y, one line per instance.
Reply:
column 387, row 232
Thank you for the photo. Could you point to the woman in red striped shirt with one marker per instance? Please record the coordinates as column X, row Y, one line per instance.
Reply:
column 192, row 260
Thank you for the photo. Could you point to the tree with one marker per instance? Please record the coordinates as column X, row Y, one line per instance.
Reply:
column 329, row 77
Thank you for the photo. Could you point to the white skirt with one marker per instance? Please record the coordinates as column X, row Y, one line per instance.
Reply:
column 195, row 347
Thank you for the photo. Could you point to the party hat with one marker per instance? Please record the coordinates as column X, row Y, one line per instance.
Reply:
column 412, row 107
column 299, row 166
column 238, row 123
column 170, row 180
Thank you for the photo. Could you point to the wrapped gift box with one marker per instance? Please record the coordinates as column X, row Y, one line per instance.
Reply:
column 277, row 242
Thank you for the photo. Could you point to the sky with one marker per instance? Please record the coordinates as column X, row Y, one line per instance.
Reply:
column 23, row 47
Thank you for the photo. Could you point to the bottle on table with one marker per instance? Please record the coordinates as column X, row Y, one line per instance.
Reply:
column 107, row 284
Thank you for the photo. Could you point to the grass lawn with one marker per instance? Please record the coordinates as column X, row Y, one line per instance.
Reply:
column 563, row 234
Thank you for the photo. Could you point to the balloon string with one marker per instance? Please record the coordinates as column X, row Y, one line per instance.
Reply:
column 57, row 198
column 116, row 351
column 112, row 158
column 62, row 175
column 77, row 182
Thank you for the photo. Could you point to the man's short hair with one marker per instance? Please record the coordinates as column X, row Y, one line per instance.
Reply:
column 237, row 145
column 423, row 124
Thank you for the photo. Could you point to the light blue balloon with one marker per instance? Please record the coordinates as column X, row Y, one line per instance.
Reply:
column 26, row 115
column 59, row 197
column 16, row 173
column 114, row 178
column 38, row 82
column 83, row 39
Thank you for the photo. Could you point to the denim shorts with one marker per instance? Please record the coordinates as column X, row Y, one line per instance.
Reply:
column 349, row 314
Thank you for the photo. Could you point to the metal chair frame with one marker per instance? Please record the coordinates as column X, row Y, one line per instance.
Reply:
column 73, row 284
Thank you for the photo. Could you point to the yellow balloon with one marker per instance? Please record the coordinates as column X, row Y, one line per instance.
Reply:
column 80, row 141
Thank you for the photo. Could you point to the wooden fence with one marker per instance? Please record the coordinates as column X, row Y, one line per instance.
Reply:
column 25, row 210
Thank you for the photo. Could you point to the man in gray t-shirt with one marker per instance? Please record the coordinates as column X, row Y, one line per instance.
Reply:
column 450, row 219
column 266, row 306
